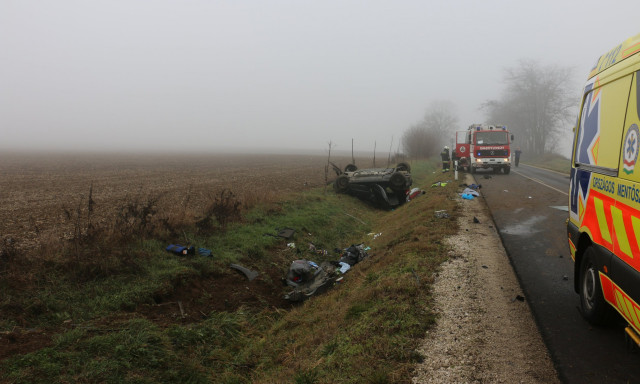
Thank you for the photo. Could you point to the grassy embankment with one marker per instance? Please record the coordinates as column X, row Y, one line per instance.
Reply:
column 365, row 329
column 550, row 161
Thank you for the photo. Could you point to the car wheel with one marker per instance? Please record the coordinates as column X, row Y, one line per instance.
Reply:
column 350, row 168
column 397, row 181
column 594, row 307
column 342, row 183
column 403, row 167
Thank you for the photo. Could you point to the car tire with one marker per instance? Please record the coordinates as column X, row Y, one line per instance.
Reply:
column 342, row 183
column 350, row 168
column 403, row 167
column 397, row 181
column 593, row 306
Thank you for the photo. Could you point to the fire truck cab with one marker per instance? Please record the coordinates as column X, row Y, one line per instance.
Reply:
column 484, row 146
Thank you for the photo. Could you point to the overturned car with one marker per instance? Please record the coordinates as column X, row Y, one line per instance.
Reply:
column 383, row 187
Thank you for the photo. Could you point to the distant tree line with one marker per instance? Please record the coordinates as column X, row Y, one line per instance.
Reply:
column 427, row 137
column 537, row 105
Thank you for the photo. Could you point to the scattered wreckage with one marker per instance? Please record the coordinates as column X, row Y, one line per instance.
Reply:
column 383, row 187
column 307, row 278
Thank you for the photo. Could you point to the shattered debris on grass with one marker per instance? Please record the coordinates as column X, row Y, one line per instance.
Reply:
column 308, row 278
column 442, row 214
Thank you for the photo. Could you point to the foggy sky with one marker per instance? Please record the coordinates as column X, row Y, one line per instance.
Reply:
column 273, row 74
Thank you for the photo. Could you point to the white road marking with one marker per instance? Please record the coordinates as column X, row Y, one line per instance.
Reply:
column 544, row 169
column 540, row 182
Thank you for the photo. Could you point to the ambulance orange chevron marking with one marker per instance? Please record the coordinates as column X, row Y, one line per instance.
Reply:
column 624, row 304
column 613, row 225
column 627, row 232
column 572, row 248
column 597, row 218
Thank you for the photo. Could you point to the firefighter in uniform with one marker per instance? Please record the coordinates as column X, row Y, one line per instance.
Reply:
column 446, row 159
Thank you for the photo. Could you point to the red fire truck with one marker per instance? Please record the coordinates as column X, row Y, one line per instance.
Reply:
column 484, row 146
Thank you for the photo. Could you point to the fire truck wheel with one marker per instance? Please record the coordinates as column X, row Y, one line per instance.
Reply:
column 472, row 169
column 507, row 170
column 594, row 307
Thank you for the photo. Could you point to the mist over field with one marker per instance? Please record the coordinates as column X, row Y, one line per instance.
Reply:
column 277, row 76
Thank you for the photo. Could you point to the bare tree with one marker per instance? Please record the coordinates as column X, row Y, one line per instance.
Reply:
column 419, row 142
column 425, row 138
column 440, row 118
column 537, row 103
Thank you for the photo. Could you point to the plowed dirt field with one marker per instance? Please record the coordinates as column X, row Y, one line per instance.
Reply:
column 37, row 191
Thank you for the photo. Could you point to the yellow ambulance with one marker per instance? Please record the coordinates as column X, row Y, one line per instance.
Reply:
column 604, row 192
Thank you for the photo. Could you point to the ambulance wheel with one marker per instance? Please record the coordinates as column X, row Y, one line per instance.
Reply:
column 594, row 308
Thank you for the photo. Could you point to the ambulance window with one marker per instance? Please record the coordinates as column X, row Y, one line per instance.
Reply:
column 629, row 152
column 601, row 125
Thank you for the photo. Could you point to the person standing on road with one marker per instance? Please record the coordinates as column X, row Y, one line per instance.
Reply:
column 446, row 159
column 518, row 152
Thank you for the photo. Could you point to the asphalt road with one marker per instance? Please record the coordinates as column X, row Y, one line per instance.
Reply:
column 529, row 208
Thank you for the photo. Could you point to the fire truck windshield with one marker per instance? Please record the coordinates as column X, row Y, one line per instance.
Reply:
column 492, row 138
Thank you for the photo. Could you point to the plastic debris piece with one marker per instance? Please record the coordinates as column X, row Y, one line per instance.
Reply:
column 471, row 192
column 181, row 249
column 247, row 272
column 286, row 233
column 441, row 214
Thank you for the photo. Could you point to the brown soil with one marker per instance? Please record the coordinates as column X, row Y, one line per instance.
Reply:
column 36, row 189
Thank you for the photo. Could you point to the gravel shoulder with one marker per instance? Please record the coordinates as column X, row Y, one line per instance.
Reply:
column 485, row 332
